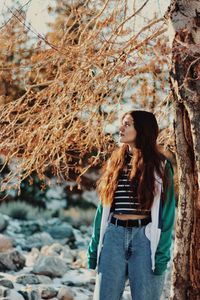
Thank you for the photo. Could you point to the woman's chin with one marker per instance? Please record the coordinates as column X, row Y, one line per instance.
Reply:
column 122, row 140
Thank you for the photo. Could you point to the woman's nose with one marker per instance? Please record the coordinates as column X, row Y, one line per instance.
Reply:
column 121, row 128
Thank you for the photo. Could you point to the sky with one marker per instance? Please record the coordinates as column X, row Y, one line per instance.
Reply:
column 36, row 12
column 38, row 16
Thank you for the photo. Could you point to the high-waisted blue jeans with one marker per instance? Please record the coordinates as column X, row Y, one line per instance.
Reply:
column 126, row 254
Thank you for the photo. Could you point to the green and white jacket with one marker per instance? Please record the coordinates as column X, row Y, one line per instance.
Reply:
column 159, row 231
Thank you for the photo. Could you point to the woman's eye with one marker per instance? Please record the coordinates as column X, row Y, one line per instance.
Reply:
column 126, row 124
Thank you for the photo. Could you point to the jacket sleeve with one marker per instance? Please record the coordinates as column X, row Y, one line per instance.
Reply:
column 93, row 246
column 162, row 255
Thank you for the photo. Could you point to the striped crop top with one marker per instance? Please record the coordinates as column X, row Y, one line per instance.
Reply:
column 125, row 199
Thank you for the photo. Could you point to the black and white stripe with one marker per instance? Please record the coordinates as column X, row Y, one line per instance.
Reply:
column 125, row 198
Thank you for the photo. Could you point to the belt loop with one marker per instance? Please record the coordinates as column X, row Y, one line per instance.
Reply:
column 139, row 222
column 116, row 221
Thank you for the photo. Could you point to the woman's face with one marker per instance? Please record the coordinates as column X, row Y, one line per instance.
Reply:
column 127, row 131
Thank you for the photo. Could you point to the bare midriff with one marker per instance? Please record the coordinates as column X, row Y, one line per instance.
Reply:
column 129, row 217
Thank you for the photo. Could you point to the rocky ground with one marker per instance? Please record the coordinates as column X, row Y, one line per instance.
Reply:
column 46, row 259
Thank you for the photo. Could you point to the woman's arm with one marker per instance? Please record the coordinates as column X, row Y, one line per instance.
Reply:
column 162, row 255
column 93, row 246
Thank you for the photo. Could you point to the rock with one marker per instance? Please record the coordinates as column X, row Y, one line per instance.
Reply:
column 47, row 292
column 6, row 283
column 30, row 294
column 64, row 252
column 14, row 227
column 81, row 259
column 24, row 294
column 84, row 229
column 32, row 257
column 57, row 196
column 62, row 231
column 50, row 266
column 29, row 228
column 12, row 260
column 91, row 196
column 19, row 242
column 34, row 295
column 14, row 295
column 44, row 279
column 81, row 241
column 27, row 279
column 38, row 240
column 3, row 223
column 78, row 278
column 3, row 291
column 5, row 243
column 65, row 294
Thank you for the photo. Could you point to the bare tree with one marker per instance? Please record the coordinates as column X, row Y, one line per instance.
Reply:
column 184, row 32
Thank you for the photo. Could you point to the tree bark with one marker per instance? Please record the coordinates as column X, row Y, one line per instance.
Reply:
column 183, row 19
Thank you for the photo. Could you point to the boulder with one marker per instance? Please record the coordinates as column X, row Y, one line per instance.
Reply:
column 3, row 223
column 64, row 252
column 44, row 279
column 32, row 256
column 11, row 260
column 6, row 283
column 81, row 259
column 30, row 295
column 14, row 295
column 5, row 243
column 3, row 291
column 78, row 278
column 61, row 231
column 30, row 228
column 38, row 240
column 51, row 266
column 47, row 292
column 65, row 293
column 27, row 279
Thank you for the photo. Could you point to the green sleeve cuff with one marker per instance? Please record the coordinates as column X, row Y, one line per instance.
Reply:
column 92, row 263
column 159, row 270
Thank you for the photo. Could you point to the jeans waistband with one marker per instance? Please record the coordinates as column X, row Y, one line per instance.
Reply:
column 130, row 223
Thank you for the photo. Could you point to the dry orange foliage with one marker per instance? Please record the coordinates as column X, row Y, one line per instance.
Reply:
column 54, row 118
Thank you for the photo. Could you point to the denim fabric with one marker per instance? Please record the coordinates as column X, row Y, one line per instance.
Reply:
column 126, row 255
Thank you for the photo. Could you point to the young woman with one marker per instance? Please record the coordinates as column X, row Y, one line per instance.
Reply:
column 134, row 219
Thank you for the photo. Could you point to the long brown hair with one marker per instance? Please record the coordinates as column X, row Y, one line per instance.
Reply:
column 147, row 159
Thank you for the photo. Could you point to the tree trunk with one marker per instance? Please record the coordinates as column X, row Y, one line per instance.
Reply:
column 184, row 32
